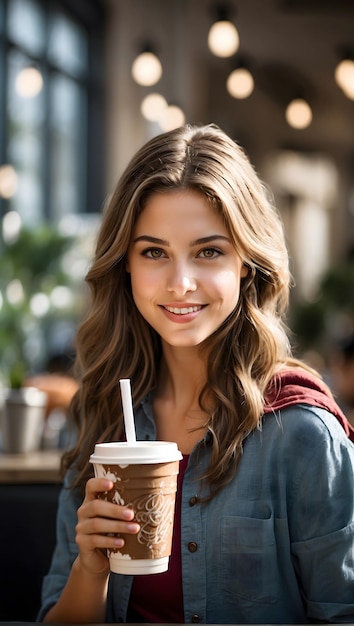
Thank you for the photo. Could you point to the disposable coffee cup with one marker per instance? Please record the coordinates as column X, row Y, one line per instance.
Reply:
column 145, row 480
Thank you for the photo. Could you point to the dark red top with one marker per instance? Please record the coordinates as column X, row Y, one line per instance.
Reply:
column 145, row 600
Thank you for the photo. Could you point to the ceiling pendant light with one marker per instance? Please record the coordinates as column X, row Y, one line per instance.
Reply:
column 147, row 68
column 152, row 106
column 240, row 82
column 171, row 117
column 29, row 82
column 223, row 38
column 298, row 113
column 344, row 76
column 8, row 181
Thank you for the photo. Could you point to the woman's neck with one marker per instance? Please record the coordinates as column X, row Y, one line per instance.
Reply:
column 181, row 370
column 177, row 413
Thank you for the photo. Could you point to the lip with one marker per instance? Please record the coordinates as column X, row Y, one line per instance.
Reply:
column 182, row 312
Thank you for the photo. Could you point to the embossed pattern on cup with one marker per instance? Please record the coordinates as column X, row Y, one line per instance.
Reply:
column 150, row 491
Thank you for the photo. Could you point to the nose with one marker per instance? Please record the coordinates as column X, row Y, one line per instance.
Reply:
column 181, row 279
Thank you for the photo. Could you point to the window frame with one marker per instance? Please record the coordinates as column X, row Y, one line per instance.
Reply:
column 90, row 15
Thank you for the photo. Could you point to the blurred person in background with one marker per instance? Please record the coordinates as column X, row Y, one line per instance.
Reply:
column 57, row 381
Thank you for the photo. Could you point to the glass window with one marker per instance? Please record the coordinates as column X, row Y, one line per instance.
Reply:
column 68, row 146
column 26, row 25
column 25, row 127
column 2, row 20
column 68, row 45
column 45, row 82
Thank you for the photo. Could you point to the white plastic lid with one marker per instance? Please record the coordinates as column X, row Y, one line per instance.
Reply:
column 122, row 453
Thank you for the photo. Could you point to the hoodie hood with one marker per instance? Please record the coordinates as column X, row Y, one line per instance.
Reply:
column 298, row 386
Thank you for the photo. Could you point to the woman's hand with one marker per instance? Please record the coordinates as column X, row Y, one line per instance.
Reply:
column 84, row 597
column 99, row 523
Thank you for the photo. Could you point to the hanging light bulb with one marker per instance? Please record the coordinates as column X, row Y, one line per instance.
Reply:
column 8, row 181
column 344, row 76
column 147, row 68
column 171, row 117
column 298, row 113
column 152, row 106
column 29, row 82
column 223, row 38
column 240, row 83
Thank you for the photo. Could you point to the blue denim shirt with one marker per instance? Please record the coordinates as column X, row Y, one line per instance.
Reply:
column 276, row 545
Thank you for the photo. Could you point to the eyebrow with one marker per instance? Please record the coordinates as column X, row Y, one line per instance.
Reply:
column 196, row 242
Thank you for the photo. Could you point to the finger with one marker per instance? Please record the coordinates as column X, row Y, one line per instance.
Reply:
column 104, row 509
column 89, row 543
column 95, row 486
column 102, row 534
column 95, row 490
column 104, row 526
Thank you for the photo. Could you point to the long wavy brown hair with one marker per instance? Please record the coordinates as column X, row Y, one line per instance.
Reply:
column 114, row 341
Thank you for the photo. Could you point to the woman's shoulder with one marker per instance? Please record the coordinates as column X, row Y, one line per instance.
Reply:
column 304, row 417
column 307, row 431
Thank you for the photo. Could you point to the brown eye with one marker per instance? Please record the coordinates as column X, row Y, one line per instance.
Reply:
column 153, row 253
column 210, row 253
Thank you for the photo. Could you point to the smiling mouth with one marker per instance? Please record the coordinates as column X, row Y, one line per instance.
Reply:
column 183, row 310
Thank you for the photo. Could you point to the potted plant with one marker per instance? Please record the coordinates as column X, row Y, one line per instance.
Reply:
column 31, row 268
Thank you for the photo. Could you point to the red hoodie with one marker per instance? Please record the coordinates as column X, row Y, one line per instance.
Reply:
column 296, row 386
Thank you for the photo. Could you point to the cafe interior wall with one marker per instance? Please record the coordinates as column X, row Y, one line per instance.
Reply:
column 291, row 47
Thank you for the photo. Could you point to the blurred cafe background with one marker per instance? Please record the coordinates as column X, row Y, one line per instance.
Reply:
column 83, row 84
column 78, row 97
column 76, row 101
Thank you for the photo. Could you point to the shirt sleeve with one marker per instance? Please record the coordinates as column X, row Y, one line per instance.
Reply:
column 323, row 521
column 66, row 549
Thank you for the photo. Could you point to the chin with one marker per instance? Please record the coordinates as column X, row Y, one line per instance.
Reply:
column 192, row 343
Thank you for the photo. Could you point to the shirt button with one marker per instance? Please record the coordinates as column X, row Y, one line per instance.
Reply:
column 194, row 500
column 192, row 546
column 195, row 619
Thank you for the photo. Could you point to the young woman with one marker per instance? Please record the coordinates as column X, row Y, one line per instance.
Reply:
column 189, row 287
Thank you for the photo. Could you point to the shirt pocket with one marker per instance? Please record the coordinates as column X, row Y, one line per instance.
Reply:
column 249, row 559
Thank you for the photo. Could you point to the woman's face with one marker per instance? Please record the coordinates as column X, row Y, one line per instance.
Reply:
column 185, row 272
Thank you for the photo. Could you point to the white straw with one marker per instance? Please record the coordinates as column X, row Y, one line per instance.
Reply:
column 128, row 410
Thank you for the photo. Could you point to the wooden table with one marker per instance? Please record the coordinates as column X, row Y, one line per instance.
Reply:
column 32, row 467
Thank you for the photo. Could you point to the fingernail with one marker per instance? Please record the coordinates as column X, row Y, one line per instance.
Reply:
column 128, row 514
column 133, row 527
column 119, row 542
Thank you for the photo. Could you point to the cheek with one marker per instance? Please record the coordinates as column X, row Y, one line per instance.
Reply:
column 227, row 284
column 144, row 284
column 137, row 287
